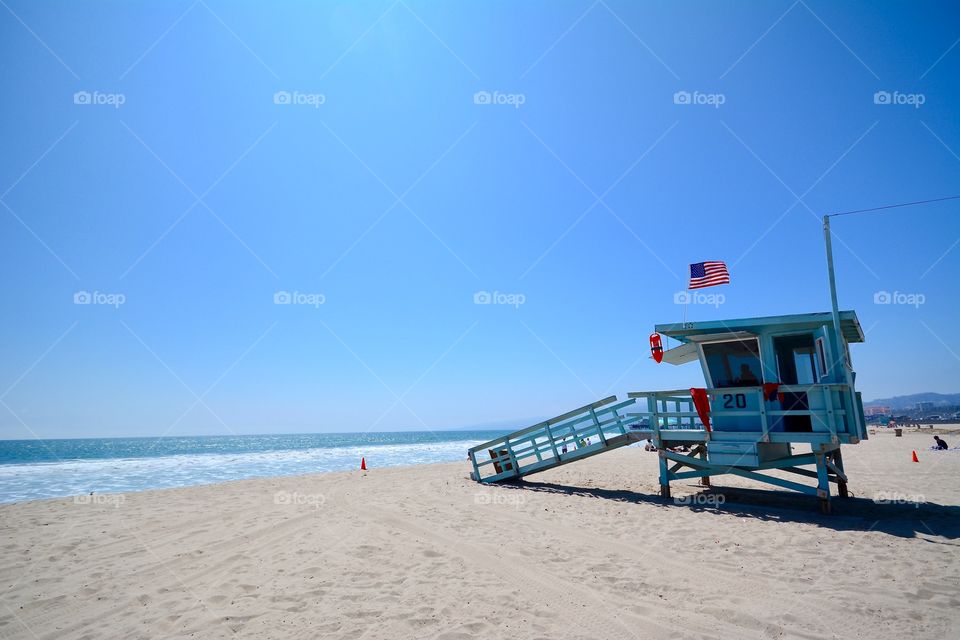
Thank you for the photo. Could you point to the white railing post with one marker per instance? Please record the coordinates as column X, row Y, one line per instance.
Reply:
column 831, row 415
column 763, row 416
column 596, row 423
column 553, row 443
column 655, row 418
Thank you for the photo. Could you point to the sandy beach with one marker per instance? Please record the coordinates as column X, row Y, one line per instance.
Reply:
column 584, row 551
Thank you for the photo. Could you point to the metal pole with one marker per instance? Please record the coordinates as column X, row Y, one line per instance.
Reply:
column 852, row 412
column 837, row 334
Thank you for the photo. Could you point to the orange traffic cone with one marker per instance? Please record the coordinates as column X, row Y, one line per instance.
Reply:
column 915, row 459
column 363, row 462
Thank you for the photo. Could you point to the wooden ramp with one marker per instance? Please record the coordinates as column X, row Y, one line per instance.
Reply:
column 584, row 432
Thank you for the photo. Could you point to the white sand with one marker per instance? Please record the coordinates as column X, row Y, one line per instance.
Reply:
column 424, row 552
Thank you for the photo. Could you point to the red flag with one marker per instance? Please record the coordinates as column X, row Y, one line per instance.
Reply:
column 702, row 403
column 770, row 391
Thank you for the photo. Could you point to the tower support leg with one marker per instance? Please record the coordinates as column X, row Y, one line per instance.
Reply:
column 705, row 480
column 823, row 483
column 664, row 476
column 841, row 483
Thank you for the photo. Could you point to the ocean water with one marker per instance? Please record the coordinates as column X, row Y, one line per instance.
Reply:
column 36, row 469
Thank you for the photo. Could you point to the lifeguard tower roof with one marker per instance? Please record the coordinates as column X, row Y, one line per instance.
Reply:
column 688, row 331
column 691, row 333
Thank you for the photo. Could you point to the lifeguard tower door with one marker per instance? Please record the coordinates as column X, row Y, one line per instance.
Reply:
column 796, row 365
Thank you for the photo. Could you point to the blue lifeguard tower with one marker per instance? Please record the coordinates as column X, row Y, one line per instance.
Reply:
column 778, row 396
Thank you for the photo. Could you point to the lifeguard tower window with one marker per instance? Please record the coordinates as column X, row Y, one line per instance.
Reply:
column 734, row 363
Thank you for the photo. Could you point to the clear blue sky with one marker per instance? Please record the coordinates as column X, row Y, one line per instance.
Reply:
column 399, row 197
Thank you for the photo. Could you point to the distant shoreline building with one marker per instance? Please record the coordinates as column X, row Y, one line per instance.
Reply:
column 877, row 411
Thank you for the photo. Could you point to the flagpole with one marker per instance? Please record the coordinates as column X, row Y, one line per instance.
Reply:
column 837, row 333
column 833, row 282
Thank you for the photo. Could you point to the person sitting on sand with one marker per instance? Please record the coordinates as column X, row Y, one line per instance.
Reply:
column 940, row 443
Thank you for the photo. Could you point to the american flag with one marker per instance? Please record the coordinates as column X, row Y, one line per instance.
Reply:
column 708, row 274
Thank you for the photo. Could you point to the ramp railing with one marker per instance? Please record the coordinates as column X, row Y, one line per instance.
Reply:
column 577, row 434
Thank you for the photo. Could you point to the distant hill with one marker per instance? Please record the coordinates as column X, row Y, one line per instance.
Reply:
column 910, row 401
